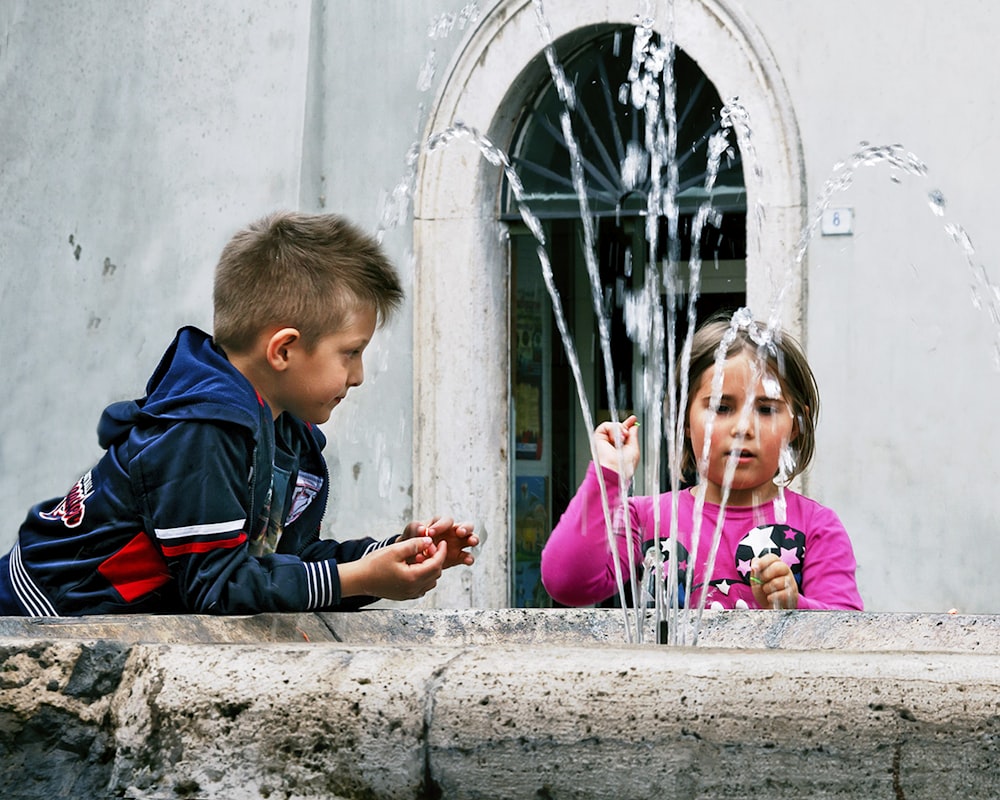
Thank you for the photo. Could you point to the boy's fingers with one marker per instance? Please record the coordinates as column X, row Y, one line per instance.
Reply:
column 418, row 544
column 439, row 556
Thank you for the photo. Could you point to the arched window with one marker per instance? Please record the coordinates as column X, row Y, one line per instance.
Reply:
column 463, row 289
column 611, row 134
column 609, row 137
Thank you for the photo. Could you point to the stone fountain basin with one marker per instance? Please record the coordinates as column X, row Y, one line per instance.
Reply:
column 500, row 704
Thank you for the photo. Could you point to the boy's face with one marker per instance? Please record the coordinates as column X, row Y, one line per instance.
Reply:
column 315, row 382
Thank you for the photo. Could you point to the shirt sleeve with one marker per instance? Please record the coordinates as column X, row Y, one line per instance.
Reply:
column 578, row 567
column 317, row 557
column 829, row 573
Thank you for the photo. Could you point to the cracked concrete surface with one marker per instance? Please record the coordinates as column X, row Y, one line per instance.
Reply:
column 499, row 704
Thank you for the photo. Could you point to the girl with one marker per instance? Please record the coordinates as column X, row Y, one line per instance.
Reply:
column 749, row 429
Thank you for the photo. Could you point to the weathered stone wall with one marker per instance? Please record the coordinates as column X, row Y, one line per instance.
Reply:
column 499, row 704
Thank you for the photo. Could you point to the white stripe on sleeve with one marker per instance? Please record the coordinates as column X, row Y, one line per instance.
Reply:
column 210, row 529
column 27, row 591
column 320, row 584
column 379, row 545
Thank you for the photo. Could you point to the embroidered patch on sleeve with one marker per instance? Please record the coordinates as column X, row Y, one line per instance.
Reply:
column 74, row 505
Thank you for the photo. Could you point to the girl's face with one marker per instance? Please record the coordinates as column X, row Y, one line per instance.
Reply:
column 750, row 427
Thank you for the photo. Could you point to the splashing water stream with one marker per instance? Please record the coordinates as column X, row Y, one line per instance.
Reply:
column 651, row 87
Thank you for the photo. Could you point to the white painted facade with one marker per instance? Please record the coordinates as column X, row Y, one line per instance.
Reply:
column 138, row 137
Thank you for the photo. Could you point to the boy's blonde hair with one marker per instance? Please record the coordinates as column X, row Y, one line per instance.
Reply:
column 306, row 271
column 783, row 358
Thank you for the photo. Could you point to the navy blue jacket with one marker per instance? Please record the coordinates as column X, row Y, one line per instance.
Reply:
column 169, row 519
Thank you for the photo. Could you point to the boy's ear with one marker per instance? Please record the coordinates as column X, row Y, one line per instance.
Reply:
column 279, row 346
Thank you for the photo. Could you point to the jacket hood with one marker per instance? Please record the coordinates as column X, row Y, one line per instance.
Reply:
column 194, row 381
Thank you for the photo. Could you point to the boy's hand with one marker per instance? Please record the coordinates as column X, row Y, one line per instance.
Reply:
column 772, row 583
column 443, row 530
column 608, row 435
column 393, row 572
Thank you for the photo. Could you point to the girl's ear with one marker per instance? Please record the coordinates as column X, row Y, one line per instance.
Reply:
column 798, row 424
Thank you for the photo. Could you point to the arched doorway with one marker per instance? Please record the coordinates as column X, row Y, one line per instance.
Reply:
column 551, row 448
column 462, row 440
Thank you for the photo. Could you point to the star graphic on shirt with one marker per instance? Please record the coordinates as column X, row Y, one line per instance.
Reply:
column 723, row 586
column 759, row 540
column 743, row 566
column 789, row 556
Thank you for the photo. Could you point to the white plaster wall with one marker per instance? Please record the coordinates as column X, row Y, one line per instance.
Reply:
column 908, row 452
column 146, row 133
column 379, row 62
column 150, row 132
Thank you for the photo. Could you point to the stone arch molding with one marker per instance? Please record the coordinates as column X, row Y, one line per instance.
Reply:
column 461, row 369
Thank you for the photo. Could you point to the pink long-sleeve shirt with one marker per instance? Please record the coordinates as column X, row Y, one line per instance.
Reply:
column 578, row 569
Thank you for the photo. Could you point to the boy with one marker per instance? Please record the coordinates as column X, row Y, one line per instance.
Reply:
column 210, row 496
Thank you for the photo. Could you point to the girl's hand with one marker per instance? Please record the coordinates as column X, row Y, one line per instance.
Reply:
column 772, row 583
column 607, row 438
column 456, row 537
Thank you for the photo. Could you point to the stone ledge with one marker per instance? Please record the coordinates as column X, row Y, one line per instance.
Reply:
column 782, row 630
column 499, row 704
